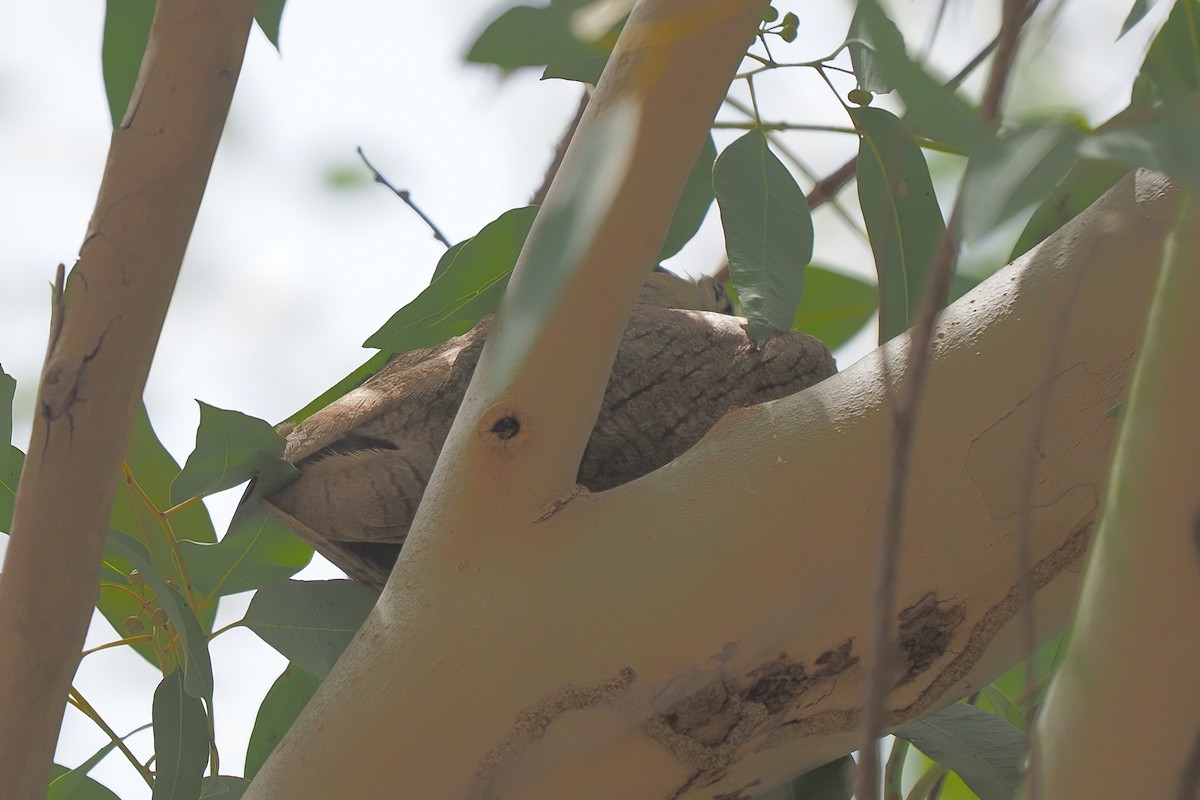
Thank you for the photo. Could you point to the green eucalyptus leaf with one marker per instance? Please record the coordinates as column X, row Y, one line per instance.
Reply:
column 933, row 109
column 694, row 202
column 528, row 36
column 1165, row 144
column 835, row 306
column 1003, row 707
column 986, row 752
column 74, row 784
column 78, row 787
column 268, row 14
column 768, row 232
column 833, row 781
column 1137, row 12
column 1172, row 63
column 904, row 221
column 257, row 549
column 8, row 389
column 286, row 698
column 464, row 291
column 229, row 447
column 1015, row 172
column 197, row 665
column 126, row 31
column 352, row 381
column 10, row 475
column 223, row 787
column 310, row 622
column 180, row 741
column 860, row 42
column 1081, row 187
column 153, row 468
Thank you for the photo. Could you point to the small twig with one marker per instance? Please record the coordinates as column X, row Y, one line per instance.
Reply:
column 76, row 699
column 560, row 150
column 827, row 188
column 403, row 195
column 906, row 406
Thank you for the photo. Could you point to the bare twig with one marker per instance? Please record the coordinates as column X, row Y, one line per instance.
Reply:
column 404, row 195
column 560, row 150
column 907, row 398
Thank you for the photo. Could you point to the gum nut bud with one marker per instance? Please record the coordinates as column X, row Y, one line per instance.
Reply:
column 159, row 617
column 134, row 577
column 860, row 97
column 133, row 624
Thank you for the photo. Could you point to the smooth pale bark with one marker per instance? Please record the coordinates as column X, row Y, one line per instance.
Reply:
column 104, row 333
column 1124, row 696
column 696, row 631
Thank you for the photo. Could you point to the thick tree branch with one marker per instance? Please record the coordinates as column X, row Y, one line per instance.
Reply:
column 107, row 326
column 703, row 624
column 1129, row 666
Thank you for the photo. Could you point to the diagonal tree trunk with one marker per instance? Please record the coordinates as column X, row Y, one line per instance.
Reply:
column 105, row 327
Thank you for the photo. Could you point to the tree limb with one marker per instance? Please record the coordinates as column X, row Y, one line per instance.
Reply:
column 107, row 325
column 697, row 631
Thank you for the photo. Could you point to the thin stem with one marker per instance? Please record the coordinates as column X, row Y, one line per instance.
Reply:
column 76, row 699
column 141, row 637
column 404, row 195
column 893, row 773
column 168, row 534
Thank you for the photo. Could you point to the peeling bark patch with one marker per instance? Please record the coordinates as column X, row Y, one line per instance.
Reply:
column 926, row 628
column 707, row 729
column 837, row 720
column 531, row 724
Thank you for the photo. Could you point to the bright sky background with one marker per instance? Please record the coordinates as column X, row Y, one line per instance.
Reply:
column 284, row 277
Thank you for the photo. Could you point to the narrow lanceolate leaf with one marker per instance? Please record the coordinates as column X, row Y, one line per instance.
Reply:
column 833, row 781
column 9, row 475
column 462, row 292
column 867, row 69
column 352, row 381
column 229, row 447
column 694, row 202
column 180, row 741
column 8, row 388
column 256, row 550
column 904, row 221
column 1082, row 186
column 1013, row 173
column 126, row 30
column 527, row 36
column 284, row 701
column 986, row 752
column 835, row 306
column 81, row 788
column 1137, row 11
column 197, row 665
column 268, row 14
column 768, row 232
column 931, row 108
column 310, row 622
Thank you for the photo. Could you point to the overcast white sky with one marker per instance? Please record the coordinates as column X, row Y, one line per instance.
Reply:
column 285, row 278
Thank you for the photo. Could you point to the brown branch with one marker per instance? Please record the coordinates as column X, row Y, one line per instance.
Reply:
column 108, row 321
column 560, row 150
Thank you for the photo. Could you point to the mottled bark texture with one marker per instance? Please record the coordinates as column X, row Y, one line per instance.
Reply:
column 366, row 458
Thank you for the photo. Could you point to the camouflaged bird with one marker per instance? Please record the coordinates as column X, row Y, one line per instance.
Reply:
column 366, row 458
